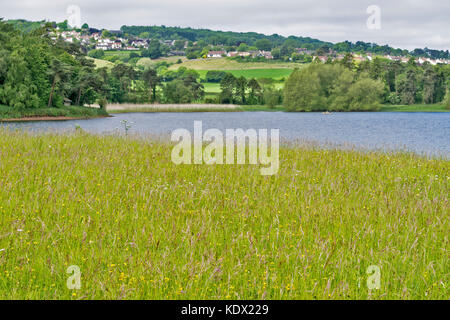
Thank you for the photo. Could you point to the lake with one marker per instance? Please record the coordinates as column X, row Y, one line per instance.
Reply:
column 423, row 133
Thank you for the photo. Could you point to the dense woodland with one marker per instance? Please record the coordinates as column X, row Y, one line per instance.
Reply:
column 37, row 72
column 347, row 86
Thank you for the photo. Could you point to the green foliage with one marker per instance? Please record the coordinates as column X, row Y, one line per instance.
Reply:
column 177, row 92
column 34, row 72
column 271, row 97
column 406, row 84
column 153, row 51
column 227, row 87
column 97, row 54
column 215, row 76
column 325, row 87
column 102, row 102
column 302, row 92
column 447, row 100
column 264, row 44
column 151, row 78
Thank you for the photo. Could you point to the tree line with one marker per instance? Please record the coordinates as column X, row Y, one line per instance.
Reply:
column 35, row 72
column 347, row 86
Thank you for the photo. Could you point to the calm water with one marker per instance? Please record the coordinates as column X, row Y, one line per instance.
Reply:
column 424, row 133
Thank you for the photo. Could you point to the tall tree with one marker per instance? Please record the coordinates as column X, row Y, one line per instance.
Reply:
column 151, row 78
column 241, row 89
column 429, row 85
column 227, row 86
column 59, row 71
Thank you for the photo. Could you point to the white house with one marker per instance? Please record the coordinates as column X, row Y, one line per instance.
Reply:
column 216, row 54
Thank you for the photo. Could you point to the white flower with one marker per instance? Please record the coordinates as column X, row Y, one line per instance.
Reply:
column 2, row 250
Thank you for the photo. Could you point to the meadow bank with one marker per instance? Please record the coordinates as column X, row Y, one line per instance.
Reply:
column 140, row 227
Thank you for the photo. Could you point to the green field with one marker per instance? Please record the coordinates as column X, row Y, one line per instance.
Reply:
column 276, row 74
column 228, row 64
column 119, row 53
column 99, row 63
column 415, row 108
column 147, row 62
column 140, row 227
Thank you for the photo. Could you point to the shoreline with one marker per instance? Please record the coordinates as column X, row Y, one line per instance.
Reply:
column 198, row 108
column 50, row 118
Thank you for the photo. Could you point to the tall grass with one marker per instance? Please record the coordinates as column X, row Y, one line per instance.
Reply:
column 140, row 227
column 65, row 111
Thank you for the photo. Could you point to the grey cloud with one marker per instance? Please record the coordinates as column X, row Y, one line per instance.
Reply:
column 405, row 23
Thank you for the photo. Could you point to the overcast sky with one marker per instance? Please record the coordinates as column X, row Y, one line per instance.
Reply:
column 405, row 24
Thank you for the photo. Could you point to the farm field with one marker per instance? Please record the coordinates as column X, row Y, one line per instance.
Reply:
column 119, row 53
column 227, row 64
column 100, row 63
column 276, row 74
column 147, row 62
column 140, row 227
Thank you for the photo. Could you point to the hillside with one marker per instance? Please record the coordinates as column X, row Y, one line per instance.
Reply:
column 228, row 64
column 252, row 39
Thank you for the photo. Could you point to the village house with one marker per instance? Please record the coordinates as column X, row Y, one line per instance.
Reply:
column 244, row 54
column 261, row 54
column 303, row 51
column 321, row 58
column 139, row 43
column 216, row 54
column 116, row 45
column 232, row 54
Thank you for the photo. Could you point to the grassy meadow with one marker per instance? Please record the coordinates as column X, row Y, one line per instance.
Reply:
column 228, row 64
column 140, row 227
column 275, row 74
column 100, row 63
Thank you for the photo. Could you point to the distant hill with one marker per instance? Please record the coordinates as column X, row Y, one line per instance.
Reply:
column 229, row 38
column 25, row 25
column 220, row 37
column 251, row 38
